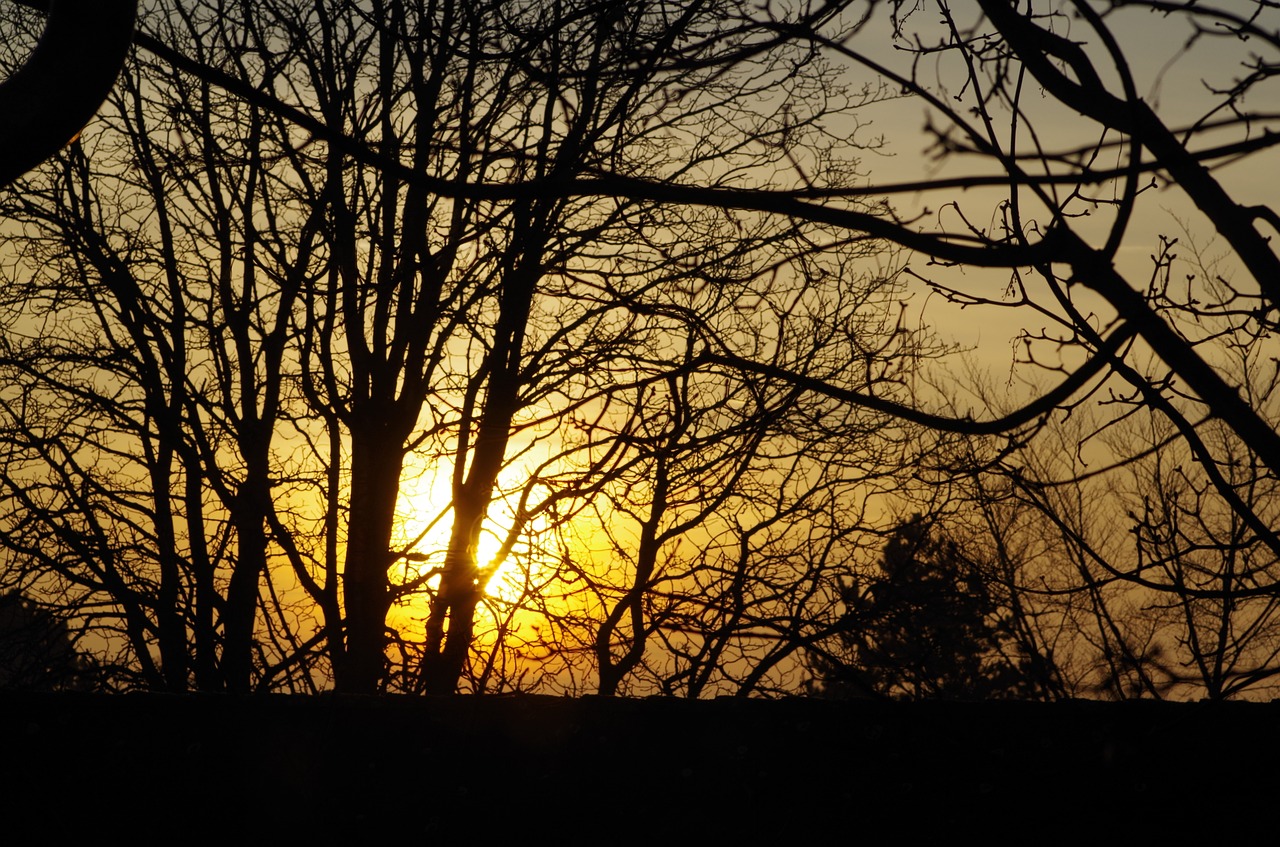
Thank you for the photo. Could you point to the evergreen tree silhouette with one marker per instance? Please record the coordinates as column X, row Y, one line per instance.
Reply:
column 925, row 626
column 36, row 650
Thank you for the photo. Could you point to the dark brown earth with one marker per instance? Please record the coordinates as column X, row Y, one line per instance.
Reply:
column 148, row 769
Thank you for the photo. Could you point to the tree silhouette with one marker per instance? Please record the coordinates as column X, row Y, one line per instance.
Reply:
column 1171, row 345
column 923, row 626
column 1155, row 574
column 245, row 334
column 36, row 650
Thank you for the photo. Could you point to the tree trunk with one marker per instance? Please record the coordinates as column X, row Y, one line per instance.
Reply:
column 249, row 514
column 242, row 596
column 376, row 464
column 451, row 623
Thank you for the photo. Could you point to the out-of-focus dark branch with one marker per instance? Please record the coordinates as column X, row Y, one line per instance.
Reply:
column 44, row 105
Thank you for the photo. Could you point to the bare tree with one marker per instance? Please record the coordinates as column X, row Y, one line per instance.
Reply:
column 151, row 315
column 1163, row 347
column 469, row 320
column 1180, row 590
column 279, row 320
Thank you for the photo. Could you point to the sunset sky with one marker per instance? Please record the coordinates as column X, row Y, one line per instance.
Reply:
column 332, row 299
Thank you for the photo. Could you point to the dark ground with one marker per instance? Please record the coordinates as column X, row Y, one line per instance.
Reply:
column 144, row 769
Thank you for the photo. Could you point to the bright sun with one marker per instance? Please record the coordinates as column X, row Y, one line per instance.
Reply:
column 424, row 522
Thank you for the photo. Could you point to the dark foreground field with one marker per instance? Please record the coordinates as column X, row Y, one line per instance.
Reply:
column 175, row 770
